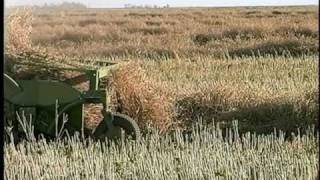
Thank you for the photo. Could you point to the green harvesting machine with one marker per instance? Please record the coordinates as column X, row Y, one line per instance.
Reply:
column 55, row 105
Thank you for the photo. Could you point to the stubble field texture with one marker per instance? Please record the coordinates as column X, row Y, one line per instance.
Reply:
column 179, row 67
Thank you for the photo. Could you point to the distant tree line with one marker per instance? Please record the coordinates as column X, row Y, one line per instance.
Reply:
column 64, row 5
column 146, row 6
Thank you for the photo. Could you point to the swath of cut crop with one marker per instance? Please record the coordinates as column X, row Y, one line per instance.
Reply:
column 137, row 96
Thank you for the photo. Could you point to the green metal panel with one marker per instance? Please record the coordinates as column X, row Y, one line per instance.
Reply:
column 45, row 122
column 75, row 118
column 45, row 119
column 94, row 80
column 45, row 93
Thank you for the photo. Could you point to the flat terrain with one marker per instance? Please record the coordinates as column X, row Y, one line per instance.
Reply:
column 256, row 65
column 194, row 32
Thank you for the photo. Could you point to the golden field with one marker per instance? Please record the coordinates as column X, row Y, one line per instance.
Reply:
column 172, row 33
column 186, row 74
column 256, row 65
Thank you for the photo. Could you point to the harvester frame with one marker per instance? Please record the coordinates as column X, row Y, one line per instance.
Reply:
column 40, row 97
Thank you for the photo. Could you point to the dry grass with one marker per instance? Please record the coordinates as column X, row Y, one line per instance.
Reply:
column 18, row 31
column 182, row 73
column 169, row 157
column 261, row 92
column 288, row 47
column 185, row 66
column 190, row 33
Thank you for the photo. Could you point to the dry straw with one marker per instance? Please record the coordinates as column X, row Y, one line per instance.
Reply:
column 18, row 31
column 139, row 97
column 151, row 104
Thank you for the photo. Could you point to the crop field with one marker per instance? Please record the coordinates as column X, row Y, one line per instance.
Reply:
column 207, row 156
column 219, row 93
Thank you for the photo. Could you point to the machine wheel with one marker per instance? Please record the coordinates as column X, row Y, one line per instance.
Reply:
column 127, row 126
column 122, row 127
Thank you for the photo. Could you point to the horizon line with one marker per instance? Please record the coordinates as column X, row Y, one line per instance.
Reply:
column 192, row 6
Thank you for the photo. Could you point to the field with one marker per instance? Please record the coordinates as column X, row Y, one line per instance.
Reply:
column 255, row 65
column 172, row 33
column 207, row 156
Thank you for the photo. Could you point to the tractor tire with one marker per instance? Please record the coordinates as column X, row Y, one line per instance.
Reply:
column 127, row 124
column 122, row 125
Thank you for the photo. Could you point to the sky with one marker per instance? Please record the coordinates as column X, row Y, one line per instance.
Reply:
column 172, row 3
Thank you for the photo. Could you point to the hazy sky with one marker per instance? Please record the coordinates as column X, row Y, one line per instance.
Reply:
column 172, row 3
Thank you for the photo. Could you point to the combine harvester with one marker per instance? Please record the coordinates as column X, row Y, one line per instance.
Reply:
column 39, row 98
